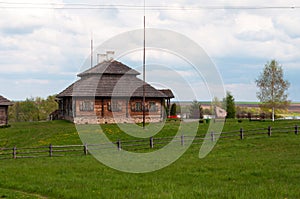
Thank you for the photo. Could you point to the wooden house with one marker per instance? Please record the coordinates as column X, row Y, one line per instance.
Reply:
column 4, row 104
column 110, row 92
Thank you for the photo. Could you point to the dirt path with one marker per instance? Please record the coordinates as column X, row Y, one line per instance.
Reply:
column 13, row 193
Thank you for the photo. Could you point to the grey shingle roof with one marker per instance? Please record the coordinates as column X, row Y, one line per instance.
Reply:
column 167, row 92
column 4, row 101
column 107, row 80
column 109, row 67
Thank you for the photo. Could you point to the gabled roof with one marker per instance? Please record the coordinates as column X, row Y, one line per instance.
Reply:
column 111, row 79
column 108, row 86
column 109, row 67
column 4, row 101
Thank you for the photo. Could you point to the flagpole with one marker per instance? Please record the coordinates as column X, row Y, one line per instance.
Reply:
column 144, row 70
column 92, row 49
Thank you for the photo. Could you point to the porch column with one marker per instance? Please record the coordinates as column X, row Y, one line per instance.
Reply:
column 169, row 107
column 74, row 107
column 102, row 108
column 127, row 104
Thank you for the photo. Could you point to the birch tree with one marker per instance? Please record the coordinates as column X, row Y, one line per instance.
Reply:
column 272, row 88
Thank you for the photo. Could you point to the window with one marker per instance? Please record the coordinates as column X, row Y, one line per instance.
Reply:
column 138, row 106
column 152, row 107
column 86, row 105
column 114, row 106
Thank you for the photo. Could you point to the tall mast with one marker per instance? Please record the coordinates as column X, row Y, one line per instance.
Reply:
column 92, row 50
column 144, row 70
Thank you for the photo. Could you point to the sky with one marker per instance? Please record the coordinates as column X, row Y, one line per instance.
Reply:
column 44, row 44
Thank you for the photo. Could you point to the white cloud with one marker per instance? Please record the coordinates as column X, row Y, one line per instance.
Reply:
column 250, row 22
column 289, row 24
column 57, row 42
column 260, row 35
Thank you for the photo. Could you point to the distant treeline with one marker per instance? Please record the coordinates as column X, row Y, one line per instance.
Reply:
column 32, row 109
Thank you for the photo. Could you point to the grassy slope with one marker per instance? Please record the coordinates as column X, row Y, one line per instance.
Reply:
column 257, row 167
column 39, row 134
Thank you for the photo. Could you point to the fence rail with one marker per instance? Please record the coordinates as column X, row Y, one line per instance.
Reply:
column 141, row 144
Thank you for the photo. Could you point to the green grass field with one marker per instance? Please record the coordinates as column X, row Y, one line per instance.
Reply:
column 256, row 167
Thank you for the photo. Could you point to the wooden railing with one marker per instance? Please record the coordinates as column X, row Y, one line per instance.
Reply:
column 132, row 145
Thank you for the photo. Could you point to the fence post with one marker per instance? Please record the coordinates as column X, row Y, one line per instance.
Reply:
column 15, row 152
column 242, row 133
column 85, row 149
column 50, row 150
column 269, row 131
column 296, row 130
column 212, row 136
column 119, row 145
column 151, row 143
column 182, row 140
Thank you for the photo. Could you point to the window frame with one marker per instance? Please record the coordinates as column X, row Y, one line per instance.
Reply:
column 114, row 106
column 86, row 106
column 152, row 107
column 138, row 107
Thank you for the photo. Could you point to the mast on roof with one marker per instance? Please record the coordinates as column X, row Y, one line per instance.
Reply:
column 144, row 70
column 92, row 50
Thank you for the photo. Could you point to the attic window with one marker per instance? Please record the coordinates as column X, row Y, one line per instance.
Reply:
column 86, row 105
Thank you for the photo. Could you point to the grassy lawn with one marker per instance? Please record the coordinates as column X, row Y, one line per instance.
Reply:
column 39, row 134
column 257, row 167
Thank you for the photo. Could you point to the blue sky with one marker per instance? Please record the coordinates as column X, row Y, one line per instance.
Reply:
column 42, row 50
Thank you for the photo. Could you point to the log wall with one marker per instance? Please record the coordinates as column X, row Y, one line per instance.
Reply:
column 102, row 110
column 3, row 115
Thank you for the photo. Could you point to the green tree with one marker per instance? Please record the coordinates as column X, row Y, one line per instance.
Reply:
column 173, row 109
column 230, row 105
column 272, row 88
column 13, row 112
column 196, row 110
column 29, row 110
column 32, row 109
column 46, row 106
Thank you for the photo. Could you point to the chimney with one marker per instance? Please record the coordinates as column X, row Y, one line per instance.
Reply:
column 110, row 55
column 101, row 58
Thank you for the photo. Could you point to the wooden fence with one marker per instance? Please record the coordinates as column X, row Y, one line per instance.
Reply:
column 142, row 144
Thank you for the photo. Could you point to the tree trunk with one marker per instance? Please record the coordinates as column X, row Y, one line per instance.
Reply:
column 273, row 114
